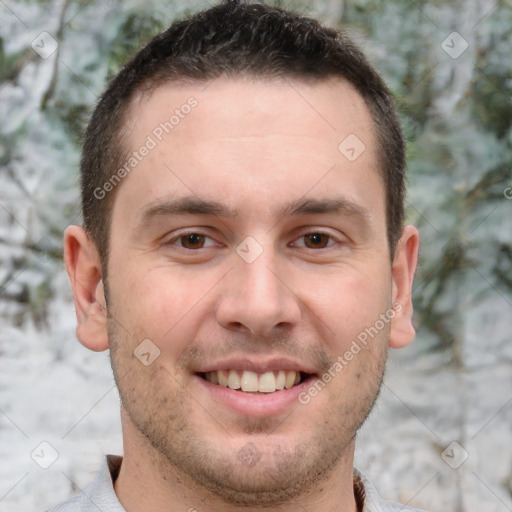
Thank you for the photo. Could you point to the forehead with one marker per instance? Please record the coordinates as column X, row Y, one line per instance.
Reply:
column 259, row 105
column 235, row 136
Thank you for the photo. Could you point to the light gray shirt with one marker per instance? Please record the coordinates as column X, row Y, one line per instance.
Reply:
column 100, row 494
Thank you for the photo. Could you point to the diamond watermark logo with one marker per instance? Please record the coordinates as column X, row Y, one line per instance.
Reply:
column 249, row 250
column 351, row 147
column 44, row 455
column 249, row 455
column 454, row 455
column 454, row 45
column 44, row 45
column 146, row 352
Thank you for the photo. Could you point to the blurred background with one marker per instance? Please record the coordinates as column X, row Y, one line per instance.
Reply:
column 440, row 437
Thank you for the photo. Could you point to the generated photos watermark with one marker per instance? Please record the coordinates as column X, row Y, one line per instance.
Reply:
column 151, row 142
column 343, row 360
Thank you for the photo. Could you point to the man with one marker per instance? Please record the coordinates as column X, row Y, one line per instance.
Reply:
column 244, row 259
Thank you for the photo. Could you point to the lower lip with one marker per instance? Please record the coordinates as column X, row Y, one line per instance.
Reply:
column 252, row 404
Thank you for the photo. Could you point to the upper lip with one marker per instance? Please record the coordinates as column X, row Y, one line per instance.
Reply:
column 257, row 365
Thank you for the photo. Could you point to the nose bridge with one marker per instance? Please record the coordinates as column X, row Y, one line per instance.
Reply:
column 256, row 297
column 259, row 287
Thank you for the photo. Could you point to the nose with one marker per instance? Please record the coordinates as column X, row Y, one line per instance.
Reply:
column 258, row 297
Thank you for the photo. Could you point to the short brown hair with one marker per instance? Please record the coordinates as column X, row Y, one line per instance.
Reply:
column 231, row 39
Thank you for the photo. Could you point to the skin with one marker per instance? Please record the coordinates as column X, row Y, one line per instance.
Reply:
column 255, row 147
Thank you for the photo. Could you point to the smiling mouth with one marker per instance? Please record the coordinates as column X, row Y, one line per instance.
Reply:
column 252, row 382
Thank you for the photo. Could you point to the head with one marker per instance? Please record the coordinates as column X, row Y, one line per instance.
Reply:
column 230, row 40
column 243, row 202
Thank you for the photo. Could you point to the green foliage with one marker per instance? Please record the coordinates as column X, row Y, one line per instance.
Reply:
column 135, row 31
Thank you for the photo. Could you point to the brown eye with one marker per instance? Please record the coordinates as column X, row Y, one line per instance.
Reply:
column 192, row 241
column 316, row 240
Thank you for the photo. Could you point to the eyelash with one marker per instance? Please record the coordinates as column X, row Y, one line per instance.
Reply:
column 332, row 241
column 319, row 232
column 183, row 235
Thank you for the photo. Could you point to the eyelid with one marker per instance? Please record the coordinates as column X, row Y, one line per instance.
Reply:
column 320, row 231
column 309, row 230
column 188, row 231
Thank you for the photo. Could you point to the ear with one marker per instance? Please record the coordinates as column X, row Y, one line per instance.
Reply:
column 84, row 270
column 404, row 266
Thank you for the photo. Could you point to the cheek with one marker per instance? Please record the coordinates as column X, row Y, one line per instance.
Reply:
column 349, row 302
column 158, row 302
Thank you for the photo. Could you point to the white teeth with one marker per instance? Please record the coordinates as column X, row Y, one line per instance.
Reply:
column 290, row 380
column 250, row 381
column 281, row 379
column 267, row 382
column 222, row 377
column 234, row 380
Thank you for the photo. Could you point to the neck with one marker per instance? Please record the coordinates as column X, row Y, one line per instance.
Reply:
column 148, row 482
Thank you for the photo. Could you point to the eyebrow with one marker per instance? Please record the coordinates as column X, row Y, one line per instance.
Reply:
column 327, row 205
column 192, row 205
column 183, row 206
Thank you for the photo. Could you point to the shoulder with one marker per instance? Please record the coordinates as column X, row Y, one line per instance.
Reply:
column 71, row 505
column 370, row 499
column 388, row 506
column 99, row 495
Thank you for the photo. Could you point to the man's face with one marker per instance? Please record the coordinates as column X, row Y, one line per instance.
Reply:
column 247, row 241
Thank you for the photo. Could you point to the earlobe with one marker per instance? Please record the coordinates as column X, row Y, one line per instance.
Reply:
column 84, row 270
column 404, row 266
